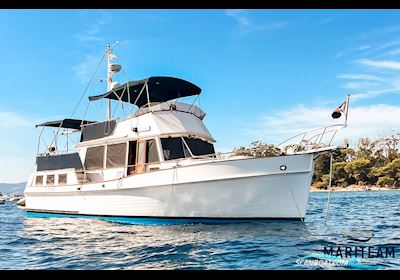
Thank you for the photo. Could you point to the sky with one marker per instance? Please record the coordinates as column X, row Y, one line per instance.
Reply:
column 265, row 74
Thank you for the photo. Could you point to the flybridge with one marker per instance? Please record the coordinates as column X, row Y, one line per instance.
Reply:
column 148, row 91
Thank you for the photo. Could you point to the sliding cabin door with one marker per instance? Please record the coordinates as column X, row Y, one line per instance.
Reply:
column 141, row 157
column 140, row 153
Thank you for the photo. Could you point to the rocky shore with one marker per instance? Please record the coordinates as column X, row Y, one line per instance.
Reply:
column 355, row 188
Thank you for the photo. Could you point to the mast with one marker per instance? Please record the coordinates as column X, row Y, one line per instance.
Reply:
column 109, row 81
column 347, row 109
column 112, row 69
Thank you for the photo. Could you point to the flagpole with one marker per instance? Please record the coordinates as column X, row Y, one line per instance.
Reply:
column 347, row 108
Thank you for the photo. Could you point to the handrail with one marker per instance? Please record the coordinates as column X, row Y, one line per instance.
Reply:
column 126, row 167
column 308, row 141
column 316, row 129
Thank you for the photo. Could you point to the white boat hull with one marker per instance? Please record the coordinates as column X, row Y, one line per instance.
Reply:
column 228, row 189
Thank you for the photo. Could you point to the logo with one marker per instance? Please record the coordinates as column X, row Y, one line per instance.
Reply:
column 359, row 257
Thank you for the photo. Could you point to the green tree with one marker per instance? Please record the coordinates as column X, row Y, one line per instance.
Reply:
column 388, row 174
column 358, row 170
column 258, row 149
column 323, row 183
column 340, row 177
column 321, row 167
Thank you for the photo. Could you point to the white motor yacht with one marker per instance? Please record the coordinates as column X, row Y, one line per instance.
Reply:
column 160, row 162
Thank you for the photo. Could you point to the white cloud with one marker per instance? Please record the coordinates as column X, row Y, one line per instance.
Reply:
column 389, row 44
column 366, row 77
column 392, row 52
column 375, row 93
column 18, row 146
column 339, row 55
column 360, row 85
column 383, row 64
column 363, row 121
column 93, row 31
column 326, row 20
column 369, row 86
column 378, row 31
column 242, row 21
column 13, row 120
column 85, row 69
column 245, row 25
column 364, row 47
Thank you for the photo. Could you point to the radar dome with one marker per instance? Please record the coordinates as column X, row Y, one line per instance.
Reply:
column 115, row 68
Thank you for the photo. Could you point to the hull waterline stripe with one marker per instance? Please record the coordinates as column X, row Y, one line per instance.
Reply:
column 161, row 218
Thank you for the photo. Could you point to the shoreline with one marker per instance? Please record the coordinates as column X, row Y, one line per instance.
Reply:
column 355, row 188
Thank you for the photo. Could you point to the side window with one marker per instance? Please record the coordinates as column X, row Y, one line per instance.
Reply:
column 39, row 180
column 62, row 179
column 50, row 180
column 116, row 155
column 94, row 158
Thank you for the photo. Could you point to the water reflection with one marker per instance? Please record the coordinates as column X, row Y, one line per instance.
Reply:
column 89, row 243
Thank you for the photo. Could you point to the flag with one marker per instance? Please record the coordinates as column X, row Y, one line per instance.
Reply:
column 337, row 113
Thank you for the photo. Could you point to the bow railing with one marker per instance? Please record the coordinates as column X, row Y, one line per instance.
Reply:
column 313, row 139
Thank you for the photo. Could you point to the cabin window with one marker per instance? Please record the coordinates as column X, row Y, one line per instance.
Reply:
column 151, row 151
column 131, row 157
column 39, row 180
column 50, row 180
column 116, row 155
column 94, row 158
column 62, row 179
column 199, row 147
column 174, row 148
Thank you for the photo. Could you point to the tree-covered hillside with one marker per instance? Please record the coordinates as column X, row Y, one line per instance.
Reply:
column 371, row 162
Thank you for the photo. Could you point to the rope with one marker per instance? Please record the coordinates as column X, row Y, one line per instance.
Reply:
column 90, row 82
column 330, row 188
column 84, row 114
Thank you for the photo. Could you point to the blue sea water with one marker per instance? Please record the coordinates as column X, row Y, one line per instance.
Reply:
column 355, row 219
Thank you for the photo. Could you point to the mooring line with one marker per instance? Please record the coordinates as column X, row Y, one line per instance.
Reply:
column 330, row 188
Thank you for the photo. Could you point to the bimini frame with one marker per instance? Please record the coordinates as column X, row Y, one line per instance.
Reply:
column 68, row 124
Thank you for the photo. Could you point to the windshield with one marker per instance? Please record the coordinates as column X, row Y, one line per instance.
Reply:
column 174, row 147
